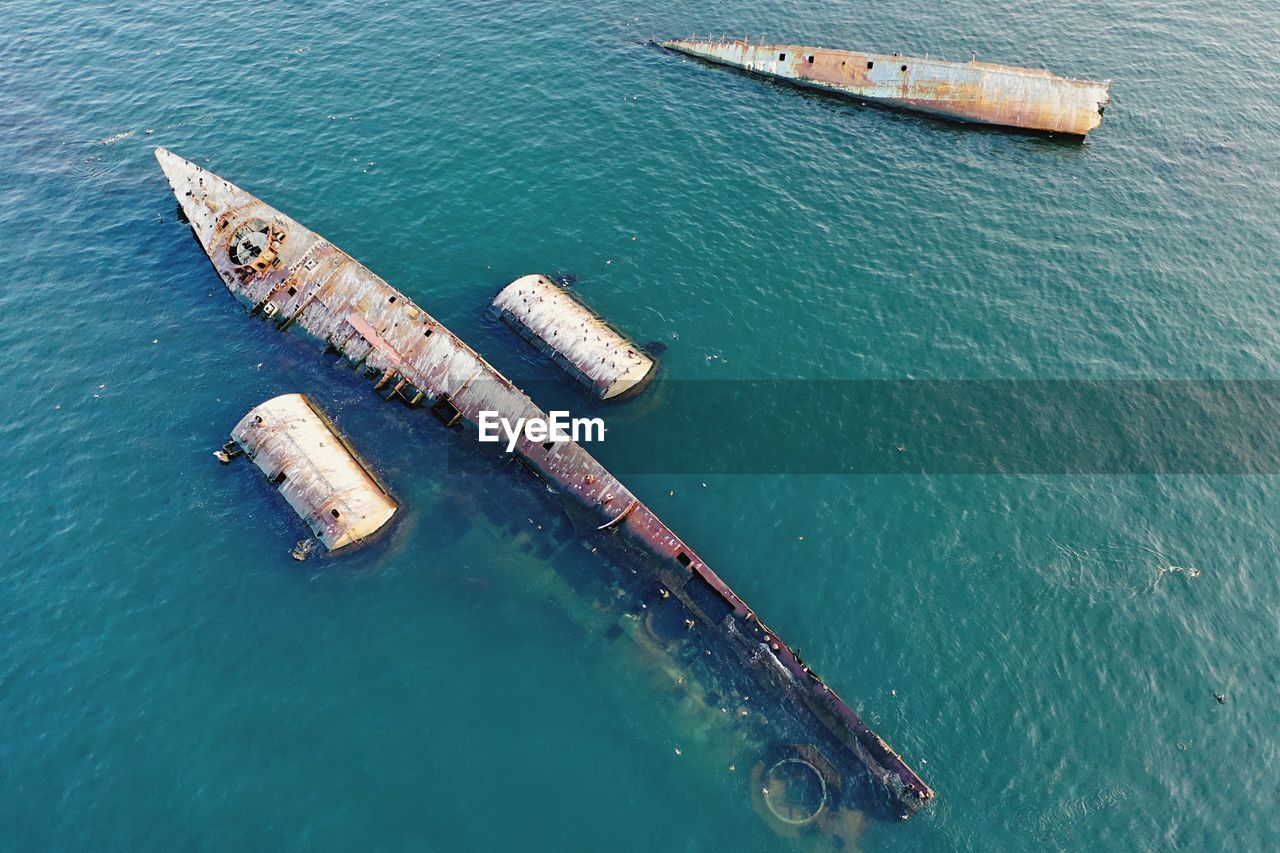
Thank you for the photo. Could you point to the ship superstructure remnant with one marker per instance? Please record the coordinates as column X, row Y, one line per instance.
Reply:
column 576, row 338
column 315, row 470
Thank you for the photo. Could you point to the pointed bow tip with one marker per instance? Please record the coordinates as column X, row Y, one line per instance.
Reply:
column 167, row 159
column 175, row 168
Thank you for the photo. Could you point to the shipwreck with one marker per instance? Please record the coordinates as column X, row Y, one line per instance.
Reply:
column 979, row 92
column 286, row 274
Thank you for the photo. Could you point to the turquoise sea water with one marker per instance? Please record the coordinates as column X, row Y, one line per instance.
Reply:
column 171, row 679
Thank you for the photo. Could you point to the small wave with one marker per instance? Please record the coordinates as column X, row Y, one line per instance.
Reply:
column 1168, row 568
column 1063, row 817
column 1109, row 569
column 124, row 134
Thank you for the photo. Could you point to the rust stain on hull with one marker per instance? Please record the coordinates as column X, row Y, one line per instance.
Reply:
column 307, row 460
column 282, row 271
column 576, row 338
column 980, row 92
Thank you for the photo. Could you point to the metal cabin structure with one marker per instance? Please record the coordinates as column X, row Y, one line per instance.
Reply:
column 576, row 338
column 310, row 286
column 980, row 92
column 306, row 459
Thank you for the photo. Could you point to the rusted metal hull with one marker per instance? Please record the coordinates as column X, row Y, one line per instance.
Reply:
column 312, row 287
column 980, row 92
column 315, row 470
column 573, row 336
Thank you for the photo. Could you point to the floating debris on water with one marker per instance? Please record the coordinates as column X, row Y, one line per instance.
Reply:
column 1168, row 568
column 1189, row 571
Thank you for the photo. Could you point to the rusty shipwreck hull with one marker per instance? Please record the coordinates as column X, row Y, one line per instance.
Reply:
column 290, row 275
column 978, row 92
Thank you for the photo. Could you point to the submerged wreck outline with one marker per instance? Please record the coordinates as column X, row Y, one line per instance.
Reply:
column 284, row 272
column 1031, row 99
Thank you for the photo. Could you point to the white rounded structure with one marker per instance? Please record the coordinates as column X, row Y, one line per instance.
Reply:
column 305, row 458
column 572, row 335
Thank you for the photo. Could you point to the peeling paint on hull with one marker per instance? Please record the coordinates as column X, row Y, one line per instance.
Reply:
column 978, row 92
column 282, row 271
column 573, row 336
column 312, row 466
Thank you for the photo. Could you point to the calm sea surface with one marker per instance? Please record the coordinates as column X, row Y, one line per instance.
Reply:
column 170, row 679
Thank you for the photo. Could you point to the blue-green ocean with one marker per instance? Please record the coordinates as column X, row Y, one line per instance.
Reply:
column 1044, row 649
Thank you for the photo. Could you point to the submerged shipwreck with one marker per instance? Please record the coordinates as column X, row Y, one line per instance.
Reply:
column 289, row 275
column 979, row 92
